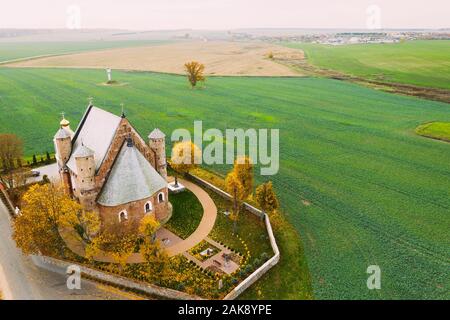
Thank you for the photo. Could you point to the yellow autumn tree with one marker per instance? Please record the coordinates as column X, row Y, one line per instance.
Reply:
column 195, row 72
column 148, row 227
column 236, row 190
column 156, row 258
column 243, row 168
column 118, row 241
column 46, row 209
column 185, row 157
column 267, row 198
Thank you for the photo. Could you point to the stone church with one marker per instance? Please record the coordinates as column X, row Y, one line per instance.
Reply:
column 109, row 168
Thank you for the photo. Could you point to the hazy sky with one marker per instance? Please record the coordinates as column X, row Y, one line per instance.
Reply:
column 221, row 14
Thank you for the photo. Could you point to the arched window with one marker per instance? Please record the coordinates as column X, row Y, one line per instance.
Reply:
column 148, row 207
column 123, row 216
column 161, row 197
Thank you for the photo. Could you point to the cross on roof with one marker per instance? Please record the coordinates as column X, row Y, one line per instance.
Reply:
column 90, row 99
column 62, row 114
column 123, row 113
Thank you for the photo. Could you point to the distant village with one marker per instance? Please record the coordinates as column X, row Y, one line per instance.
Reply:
column 342, row 38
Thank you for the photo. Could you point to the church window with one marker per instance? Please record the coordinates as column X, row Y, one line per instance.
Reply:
column 148, row 207
column 123, row 216
column 161, row 197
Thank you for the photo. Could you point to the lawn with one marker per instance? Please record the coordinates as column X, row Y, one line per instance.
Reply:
column 421, row 63
column 435, row 130
column 357, row 183
column 22, row 50
column 186, row 215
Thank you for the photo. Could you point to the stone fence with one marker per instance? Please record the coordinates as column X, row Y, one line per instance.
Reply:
column 53, row 264
column 251, row 279
column 4, row 197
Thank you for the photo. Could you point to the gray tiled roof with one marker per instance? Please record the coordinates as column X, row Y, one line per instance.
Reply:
column 156, row 134
column 132, row 178
column 96, row 131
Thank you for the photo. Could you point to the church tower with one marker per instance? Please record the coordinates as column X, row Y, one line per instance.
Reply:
column 157, row 142
column 63, row 149
column 85, row 176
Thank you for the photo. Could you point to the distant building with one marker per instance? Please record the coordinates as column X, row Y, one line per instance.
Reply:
column 110, row 169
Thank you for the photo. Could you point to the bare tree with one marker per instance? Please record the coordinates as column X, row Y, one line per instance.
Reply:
column 11, row 149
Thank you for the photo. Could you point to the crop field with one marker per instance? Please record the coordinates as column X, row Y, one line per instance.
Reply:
column 420, row 63
column 22, row 50
column 360, row 186
column 219, row 57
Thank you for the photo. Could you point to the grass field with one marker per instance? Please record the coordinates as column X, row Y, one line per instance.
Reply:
column 186, row 215
column 21, row 50
column 435, row 130
column 355, row 180
column 420, row 63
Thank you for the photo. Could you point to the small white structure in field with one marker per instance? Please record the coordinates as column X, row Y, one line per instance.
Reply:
column 176, row 188
column 108, row 72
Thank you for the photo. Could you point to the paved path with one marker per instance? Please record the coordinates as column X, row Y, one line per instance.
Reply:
column 206, row 224
column 177, row 245
column 21, row 279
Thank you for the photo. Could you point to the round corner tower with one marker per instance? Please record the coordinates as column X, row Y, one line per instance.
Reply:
column 157, row 142
column 85, row 178
column 63, row 148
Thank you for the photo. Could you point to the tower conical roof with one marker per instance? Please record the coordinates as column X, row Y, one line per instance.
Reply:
column 62, row 134
column 83, row 151
column 156, row 134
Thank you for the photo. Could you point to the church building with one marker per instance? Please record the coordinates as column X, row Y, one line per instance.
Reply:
column 109, row 168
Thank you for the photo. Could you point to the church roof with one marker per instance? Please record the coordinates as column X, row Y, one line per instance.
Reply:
column 156, row 134
column 96, row 130
column 132, row 178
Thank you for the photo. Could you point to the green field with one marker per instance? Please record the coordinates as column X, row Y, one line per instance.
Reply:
column 377, row 192
column 420, row 63
column 22, row 50
column 435, row 130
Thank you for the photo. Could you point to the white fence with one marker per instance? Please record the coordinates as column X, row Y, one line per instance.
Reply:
column 251, row 279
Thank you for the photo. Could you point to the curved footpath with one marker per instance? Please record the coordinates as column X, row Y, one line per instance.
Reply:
column 75, row 243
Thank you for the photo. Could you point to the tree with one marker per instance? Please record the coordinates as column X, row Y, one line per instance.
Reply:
column 47, row 155
column 234, row 187
column 90, row 224
column 185, row 157
column 194, row 72
column 148, row 227
column 157, row 260
column 119, row 241
column 34, row 159
column 11, row 148
column 266, row 197
column 155, row 256
column 45, row 208
column 243, row 167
